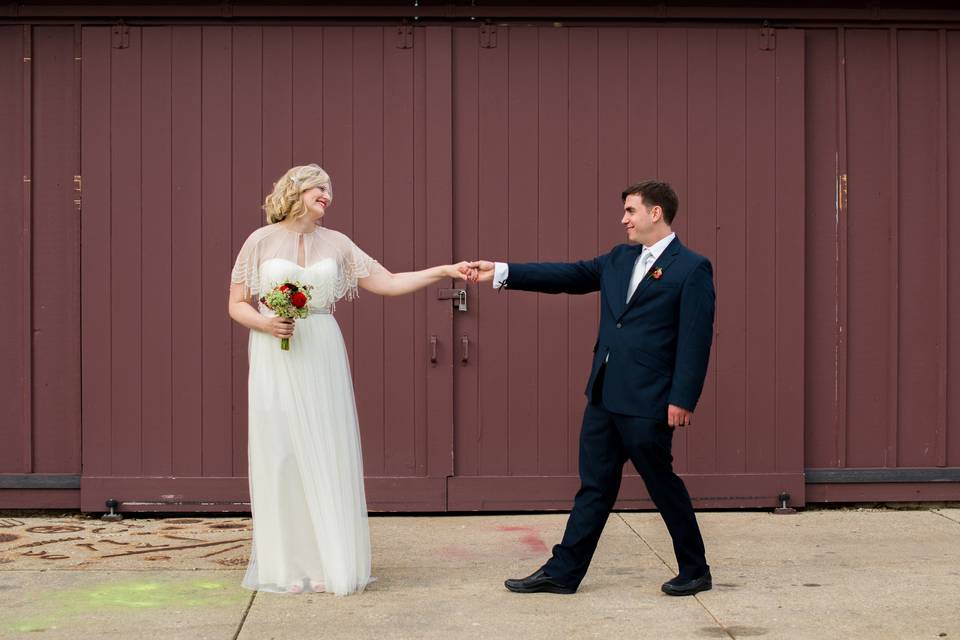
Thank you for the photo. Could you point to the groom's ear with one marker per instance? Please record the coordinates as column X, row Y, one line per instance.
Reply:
column 656, row 212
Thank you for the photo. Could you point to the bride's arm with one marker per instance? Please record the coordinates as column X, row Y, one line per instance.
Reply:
column 384, row 283
column 241, row 310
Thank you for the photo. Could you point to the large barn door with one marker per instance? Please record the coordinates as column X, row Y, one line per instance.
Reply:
column 550, row 124
column 184, row 130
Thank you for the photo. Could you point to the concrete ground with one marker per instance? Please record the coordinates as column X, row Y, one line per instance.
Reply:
column 852, row 573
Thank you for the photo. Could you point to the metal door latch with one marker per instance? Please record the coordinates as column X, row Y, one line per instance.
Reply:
column 459, row 296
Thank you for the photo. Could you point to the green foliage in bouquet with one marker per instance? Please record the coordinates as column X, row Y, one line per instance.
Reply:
column 288, row 300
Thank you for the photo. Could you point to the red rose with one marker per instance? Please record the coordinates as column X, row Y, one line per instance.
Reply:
column 284, row 287
column 298, row 300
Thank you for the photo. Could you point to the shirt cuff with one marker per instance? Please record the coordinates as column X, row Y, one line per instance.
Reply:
column 500, row 272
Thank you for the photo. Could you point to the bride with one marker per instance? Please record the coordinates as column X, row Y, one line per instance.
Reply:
column 306, row 475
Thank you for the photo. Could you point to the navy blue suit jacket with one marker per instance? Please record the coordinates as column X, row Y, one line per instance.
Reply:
column 658, row 343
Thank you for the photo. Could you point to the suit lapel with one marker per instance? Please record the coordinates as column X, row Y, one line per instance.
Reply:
column 622, row 281
column 668, row 256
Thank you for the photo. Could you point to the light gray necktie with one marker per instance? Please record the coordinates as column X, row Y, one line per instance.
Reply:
column 643, row 264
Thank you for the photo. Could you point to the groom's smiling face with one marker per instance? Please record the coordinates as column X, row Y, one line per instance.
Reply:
column 638, row 220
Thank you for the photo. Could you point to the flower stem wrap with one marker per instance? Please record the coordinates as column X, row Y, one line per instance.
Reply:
column 288, row 300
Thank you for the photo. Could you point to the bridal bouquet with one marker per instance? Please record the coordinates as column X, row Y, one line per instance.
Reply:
column 288, row 300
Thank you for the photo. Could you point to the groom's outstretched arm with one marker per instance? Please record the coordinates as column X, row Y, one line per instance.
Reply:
column 546, row 277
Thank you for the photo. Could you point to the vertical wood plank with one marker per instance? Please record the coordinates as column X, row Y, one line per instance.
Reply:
column 820, row 263
column 251, row 179
column 943, row 227
column 14, row 190
column 438, row 176
column 186, row 242
column 841, row 252
column 369, row 235
column 698, row 210
column 893, row 270
column 155, row 240
column 424, row 307
column 553, row 244
column 278, row 85
column 26, row 250
column 582, row 221
column 125, row 275
column 868, row 244
column 307, row 107
column 96, row 255
column 466, row 114
column 217, row 201
column 672, row 154
column 953, row 213
column 338, row 153
column 54, row 253
column 400, row 388
column 921, row 339
column 617, row 112
column 760, row 236
column 731, row 266
column 643, row 99
column 494, row 177
column 522, row 232
column 789, row 245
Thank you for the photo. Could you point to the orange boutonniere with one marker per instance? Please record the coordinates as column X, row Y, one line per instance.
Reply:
column 657, row 273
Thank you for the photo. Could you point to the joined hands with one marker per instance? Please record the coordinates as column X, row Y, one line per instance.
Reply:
column 476, row 271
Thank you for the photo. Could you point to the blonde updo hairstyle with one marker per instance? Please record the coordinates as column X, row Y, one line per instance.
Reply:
column 285, row 201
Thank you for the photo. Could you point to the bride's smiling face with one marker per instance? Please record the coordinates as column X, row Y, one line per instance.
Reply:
column 316, row 200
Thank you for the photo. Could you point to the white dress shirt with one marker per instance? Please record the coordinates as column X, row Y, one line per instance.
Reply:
column 502, row 269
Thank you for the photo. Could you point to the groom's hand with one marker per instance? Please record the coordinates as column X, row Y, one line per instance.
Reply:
column 678, row 416
column 463, row 271
column 484, row 270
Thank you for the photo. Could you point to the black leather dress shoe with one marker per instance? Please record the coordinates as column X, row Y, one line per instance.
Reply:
column 686, row 587
column 538, row 581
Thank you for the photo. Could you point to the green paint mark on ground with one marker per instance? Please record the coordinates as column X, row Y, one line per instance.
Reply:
column 57, row 608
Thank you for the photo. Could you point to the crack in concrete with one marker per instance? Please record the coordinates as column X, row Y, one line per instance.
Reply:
column 670, row 570
column 943, row 515
column 243, row 618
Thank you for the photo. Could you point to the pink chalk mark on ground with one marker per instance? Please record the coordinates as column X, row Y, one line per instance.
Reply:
column 530, row 538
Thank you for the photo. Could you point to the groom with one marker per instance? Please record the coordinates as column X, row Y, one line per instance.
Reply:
column 649, row 363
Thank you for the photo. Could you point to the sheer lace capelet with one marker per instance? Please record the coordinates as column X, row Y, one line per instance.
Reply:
column 333, row 252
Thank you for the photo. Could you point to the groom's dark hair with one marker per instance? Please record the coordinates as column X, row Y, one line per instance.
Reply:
column 655, row 193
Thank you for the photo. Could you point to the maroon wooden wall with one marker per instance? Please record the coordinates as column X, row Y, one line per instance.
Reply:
column 816, row 170
column 40, row 382
column 883, row 373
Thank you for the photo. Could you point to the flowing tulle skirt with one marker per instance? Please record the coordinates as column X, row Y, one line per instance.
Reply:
column 310, row 527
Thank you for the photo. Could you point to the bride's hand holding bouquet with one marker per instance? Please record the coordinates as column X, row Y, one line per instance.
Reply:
column 289, row 301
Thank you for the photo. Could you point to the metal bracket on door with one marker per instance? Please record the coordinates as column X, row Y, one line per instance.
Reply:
column 121, row 36
column 768, row 38
column 404, row 36
column 459, row 296
column 488, row 36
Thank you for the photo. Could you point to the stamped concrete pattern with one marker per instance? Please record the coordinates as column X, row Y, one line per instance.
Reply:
column 81, row 542
column 846, row 573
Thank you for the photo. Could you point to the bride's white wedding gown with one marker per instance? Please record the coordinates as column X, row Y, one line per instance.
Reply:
column 310, row 529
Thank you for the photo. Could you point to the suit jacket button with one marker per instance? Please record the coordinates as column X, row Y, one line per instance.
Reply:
column 619, row 325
